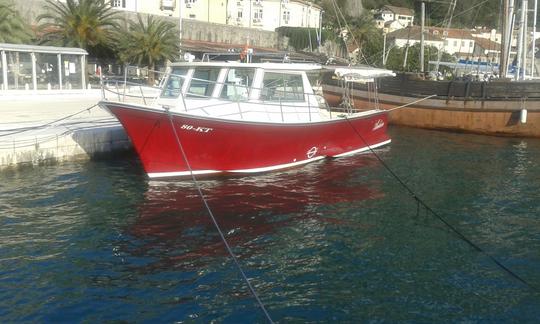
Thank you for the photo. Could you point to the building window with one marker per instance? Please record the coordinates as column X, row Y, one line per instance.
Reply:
column 286, row 16
column 168, row 4
column 239, row 14
column 462, row 43
column 258, row 14
column 471, row 44
column 118, row 3
column 455, row 43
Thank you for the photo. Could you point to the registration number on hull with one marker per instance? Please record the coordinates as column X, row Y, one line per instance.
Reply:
column 196, row 128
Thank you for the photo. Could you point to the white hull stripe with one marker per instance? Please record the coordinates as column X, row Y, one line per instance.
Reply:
column 255, row 170
column 363, row 149
column 279, row 166
column 179, row 173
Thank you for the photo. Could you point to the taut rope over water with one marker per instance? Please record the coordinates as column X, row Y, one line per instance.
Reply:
column 26, row 129
column 211, row 214
column 444, row 221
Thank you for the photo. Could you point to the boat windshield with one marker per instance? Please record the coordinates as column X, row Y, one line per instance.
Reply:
column 174, row 84
column 282, row 87
column 237, row 83
column 203, row 82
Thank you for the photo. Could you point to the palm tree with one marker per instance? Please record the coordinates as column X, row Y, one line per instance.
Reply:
column 13, row 29
column 364, row 31
column 87, row 24
column 149, row 43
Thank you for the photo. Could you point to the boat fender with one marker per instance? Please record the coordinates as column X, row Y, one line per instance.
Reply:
column 523, row 116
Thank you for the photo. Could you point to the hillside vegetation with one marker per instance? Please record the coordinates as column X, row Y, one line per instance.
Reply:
column 467, row 14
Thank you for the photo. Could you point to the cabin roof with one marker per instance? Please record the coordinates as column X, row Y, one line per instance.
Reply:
column 267, row 66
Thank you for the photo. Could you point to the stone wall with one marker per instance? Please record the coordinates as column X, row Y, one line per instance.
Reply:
column 191, row 29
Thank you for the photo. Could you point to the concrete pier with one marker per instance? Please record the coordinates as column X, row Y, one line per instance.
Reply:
column 44, row 127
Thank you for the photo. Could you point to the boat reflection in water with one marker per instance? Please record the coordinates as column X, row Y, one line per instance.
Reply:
column 174, row 226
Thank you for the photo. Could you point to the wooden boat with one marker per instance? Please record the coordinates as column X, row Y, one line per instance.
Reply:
column 499, row 107
column 215, row 117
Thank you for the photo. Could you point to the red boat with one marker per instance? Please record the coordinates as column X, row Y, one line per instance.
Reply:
column 213, row 117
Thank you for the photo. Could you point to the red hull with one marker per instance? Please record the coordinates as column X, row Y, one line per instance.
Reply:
column 218, row 145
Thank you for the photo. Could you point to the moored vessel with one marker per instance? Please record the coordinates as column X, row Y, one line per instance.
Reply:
column 493, row 108
column 222, row 117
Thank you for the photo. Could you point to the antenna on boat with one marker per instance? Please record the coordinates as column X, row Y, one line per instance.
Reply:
column 180, row 30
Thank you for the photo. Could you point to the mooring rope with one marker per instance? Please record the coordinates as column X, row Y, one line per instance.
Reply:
column 216, row 224
column 419, row 202
column 26, row 129
column 411, row 103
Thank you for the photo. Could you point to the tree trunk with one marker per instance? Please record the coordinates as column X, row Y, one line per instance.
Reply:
column 151, row 74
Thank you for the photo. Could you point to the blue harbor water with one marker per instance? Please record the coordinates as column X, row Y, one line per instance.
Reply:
column 334, row 241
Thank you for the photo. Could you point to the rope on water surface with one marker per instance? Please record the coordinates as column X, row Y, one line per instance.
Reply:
column 216, row 224
column 444, row 221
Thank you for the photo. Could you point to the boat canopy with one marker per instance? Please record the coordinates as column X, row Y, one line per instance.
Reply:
column 362, row 73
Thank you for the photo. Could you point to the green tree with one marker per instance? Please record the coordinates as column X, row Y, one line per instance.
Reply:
column 147, row 43
column 299, row 37
column 87, row 24
column 365, row 35
column 13, row 29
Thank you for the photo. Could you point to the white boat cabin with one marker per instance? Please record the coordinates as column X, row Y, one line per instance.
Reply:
column 274, row 92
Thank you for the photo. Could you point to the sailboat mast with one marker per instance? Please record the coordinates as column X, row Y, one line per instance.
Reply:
column 525, row 8
column 533, row 43
column 503, row 63
column 519, row 63
column 423, row 18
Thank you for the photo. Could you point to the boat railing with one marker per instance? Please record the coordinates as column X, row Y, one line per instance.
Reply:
column 129, row 91
column 308, row 105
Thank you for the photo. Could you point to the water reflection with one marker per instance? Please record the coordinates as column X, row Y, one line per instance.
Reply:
column 174, row 226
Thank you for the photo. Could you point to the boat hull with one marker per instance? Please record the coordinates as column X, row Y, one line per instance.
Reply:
column 214, row 145
column 500, row 117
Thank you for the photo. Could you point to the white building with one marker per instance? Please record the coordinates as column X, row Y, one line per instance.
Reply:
column 260, row 14
column 457, row 42
column 393, row 18
column 411, row 35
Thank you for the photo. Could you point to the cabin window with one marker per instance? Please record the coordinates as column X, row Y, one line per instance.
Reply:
column 203, row 82
column 174, row 84
column 237, row 84
column 282, row 87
